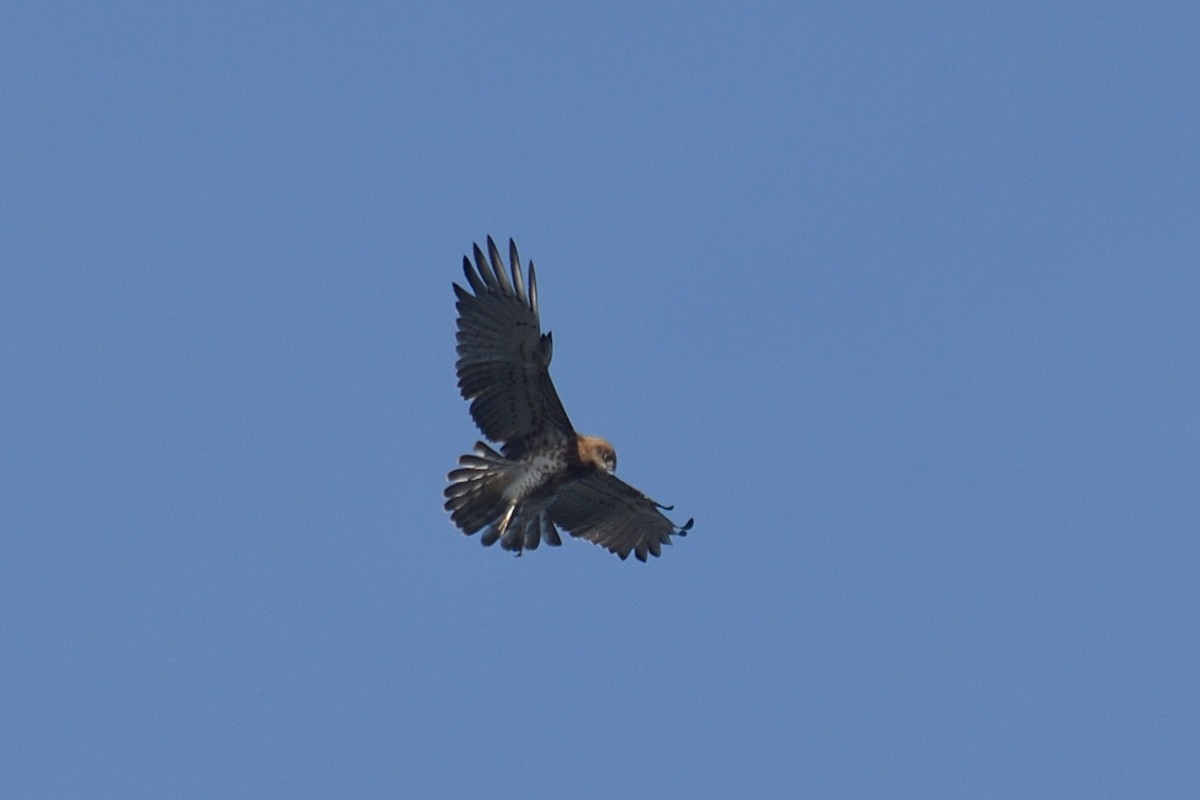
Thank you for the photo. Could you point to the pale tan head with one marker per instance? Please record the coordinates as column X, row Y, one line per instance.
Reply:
column 597, row 452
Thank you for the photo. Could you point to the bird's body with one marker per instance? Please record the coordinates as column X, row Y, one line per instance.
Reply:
column 545, row 475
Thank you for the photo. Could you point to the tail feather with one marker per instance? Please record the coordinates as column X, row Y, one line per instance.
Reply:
column 476, row 501
column 475, row 496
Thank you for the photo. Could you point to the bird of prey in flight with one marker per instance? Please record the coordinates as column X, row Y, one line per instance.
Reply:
column 545, row 475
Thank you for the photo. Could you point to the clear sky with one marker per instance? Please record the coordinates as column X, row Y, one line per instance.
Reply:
column 900, row 301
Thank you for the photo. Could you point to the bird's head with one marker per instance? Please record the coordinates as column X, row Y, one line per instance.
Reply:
column 598, row 453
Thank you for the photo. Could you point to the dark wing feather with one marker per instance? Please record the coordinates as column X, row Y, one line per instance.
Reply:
column 503, row 357
column 604, row 509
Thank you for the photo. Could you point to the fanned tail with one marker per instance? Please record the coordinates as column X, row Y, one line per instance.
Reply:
column 476, row 501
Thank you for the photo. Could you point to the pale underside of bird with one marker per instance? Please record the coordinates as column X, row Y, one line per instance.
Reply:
column 544, row 476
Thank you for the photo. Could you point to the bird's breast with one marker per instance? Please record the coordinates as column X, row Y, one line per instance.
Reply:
column 540, row 474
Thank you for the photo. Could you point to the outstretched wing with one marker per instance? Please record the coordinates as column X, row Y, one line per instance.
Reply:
column 604, row 509
column 503, row 357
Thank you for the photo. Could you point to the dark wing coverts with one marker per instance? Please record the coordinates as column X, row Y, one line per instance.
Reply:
column 503, row 357
column 604, row 509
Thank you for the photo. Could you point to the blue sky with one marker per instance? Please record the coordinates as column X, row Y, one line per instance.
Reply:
column 900, row 303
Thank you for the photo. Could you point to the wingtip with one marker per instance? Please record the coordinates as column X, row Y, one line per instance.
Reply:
column 483, row 267
column 533, row 294
column 514, row 266
column 498, row 269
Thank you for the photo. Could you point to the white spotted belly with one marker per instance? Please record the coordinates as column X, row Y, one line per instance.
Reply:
column 533, row 473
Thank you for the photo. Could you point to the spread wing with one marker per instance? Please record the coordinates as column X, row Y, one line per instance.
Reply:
column 503, row 357
column 604, row 509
